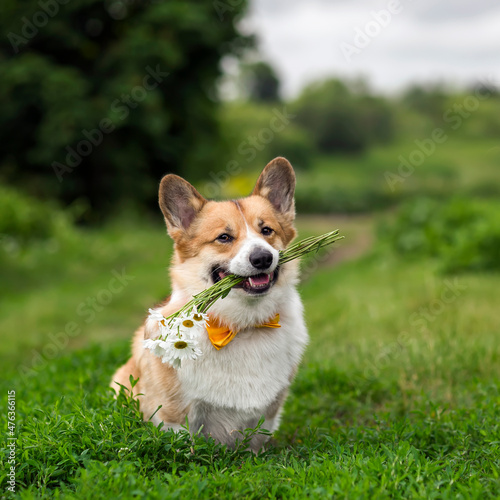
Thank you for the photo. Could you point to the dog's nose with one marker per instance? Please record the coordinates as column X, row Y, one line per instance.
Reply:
column 261, row 259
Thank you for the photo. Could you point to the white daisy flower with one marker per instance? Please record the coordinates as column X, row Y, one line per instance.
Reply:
column 157, row 316
column 178, row 337
column 179, row 349
column 199, row 317
column 157, row 346
column 167, row 331
column 189, row 325
column 173, row 362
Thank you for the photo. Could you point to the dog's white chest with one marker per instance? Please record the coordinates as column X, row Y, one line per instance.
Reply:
column 252, row 369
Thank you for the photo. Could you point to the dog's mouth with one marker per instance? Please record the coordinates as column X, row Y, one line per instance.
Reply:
column 253, row 285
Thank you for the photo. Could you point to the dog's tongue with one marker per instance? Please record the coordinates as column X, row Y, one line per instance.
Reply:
column 259, row 279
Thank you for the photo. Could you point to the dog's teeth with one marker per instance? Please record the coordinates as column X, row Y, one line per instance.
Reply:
column 253, row 284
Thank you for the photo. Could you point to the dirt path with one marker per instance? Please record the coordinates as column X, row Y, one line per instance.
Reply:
column 357, row 229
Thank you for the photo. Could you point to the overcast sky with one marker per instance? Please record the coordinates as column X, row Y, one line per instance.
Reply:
column 457, row 41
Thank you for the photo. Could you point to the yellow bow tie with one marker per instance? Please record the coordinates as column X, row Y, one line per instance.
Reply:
column 221, row 335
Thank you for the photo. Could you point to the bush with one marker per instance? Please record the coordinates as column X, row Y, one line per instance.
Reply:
column 258, row 133
column 463, row 235
column 24, row 221
column 344, row 117
column 324, row 198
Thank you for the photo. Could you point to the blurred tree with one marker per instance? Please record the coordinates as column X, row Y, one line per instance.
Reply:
column 429, row 100
column 485, row 88
column 261, row 82
column 343, row 117
column 100, row 98
column 257, row 132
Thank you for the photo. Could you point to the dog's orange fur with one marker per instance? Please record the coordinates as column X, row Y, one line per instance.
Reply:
column 157, row 386
column 225, row 217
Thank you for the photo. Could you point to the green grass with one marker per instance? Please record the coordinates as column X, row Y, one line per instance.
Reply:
column 397, row 397
column 44, row 291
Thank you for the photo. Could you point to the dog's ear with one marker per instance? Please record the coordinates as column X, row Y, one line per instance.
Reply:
column 277, row 184
column 179, row 202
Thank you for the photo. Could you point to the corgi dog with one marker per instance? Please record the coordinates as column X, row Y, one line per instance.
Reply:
column 229, row 388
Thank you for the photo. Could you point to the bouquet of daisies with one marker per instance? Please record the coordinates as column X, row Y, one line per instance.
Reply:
column 179, row 332
column 178, row 337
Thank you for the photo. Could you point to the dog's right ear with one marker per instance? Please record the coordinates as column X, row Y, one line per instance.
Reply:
column 179, row 202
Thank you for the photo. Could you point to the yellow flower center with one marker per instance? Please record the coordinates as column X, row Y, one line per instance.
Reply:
column 188, row 323
column 198, row 317
column 180, row 344
column 163, row 322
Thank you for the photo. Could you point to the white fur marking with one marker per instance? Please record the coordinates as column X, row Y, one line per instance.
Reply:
column 240, row 264
column 251, row 370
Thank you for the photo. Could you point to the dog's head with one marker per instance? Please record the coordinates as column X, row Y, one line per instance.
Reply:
column 242, row 237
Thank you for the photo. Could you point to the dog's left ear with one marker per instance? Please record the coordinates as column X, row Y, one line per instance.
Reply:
column 277, row 184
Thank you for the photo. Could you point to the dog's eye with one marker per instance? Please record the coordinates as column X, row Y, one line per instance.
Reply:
column 266, row 231
column 225, row 238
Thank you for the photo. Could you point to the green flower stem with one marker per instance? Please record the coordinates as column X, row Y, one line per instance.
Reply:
column 205, row 299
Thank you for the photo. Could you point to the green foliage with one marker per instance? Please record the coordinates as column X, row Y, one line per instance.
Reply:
column 76, row 441
column 261, row 82
column 464, row 235
column 353, row 184
column 382, row 406
column 343, row 116
column 256, row 134
column 472, row 113
column 314, row 196
column 483, row 121
column 133, row 82
column 51, row 283
column 26, row 222
column 430, row 101
column 94, row 429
